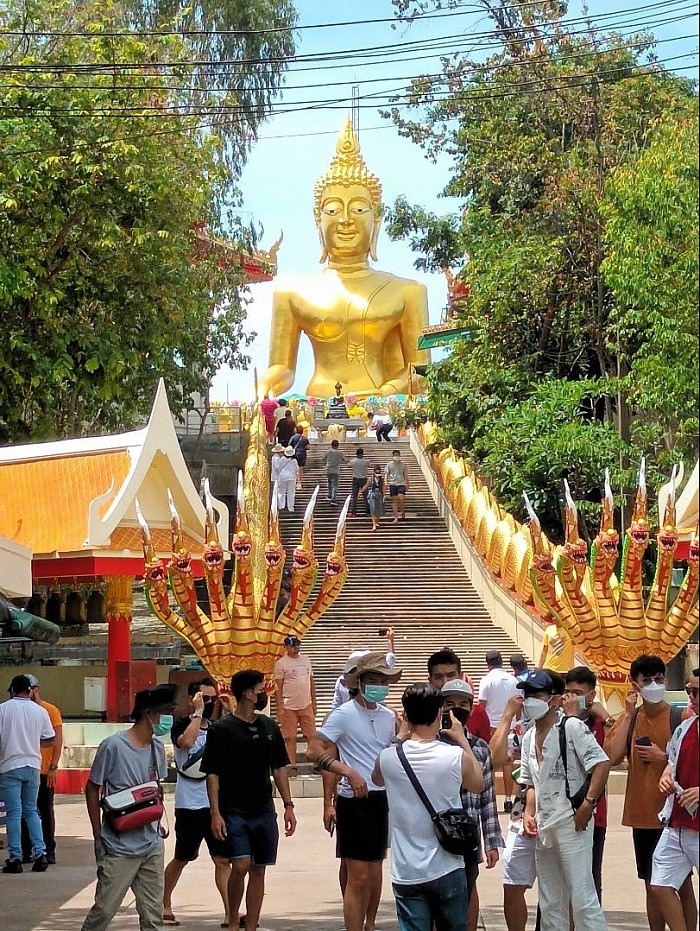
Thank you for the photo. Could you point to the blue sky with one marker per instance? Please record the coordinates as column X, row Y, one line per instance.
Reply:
column 295, row 147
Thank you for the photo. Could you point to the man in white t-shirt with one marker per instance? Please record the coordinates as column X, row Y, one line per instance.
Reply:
column 560, row 802
column 347, row 745
column 296, row 696
column 429, row 882
column 341, row 692
column 25, row 727
column 495, row 689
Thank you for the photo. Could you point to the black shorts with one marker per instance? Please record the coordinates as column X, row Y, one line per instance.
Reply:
column 192, row 826
column 363, row 827
column 645, row 841
column 395, row 490
column 253, row 837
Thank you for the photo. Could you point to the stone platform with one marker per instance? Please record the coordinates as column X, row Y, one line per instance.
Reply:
column 302, row 890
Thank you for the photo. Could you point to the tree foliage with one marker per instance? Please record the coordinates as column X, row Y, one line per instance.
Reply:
column 535, row 133
column 102, row 179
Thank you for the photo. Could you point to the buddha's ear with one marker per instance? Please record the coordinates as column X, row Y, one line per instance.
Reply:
column 324, row 252
column 378, row 217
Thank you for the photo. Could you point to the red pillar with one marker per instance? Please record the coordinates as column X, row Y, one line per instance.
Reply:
column 119, row 607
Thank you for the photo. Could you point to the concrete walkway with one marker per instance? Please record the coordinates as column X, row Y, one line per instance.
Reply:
column 302, row 891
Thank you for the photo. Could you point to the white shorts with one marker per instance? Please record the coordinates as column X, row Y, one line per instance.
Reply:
column 675, row 856
column 519, row 867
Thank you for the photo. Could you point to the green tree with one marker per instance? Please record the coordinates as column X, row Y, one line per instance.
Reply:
column 651, row 264
column 533, row 131
column 101, row 184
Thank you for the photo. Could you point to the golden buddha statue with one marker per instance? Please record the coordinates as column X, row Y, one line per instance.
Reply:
column 363, row 324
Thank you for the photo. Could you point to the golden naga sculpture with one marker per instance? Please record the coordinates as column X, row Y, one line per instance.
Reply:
column 607, row 619
column 363, row 324
column 242, row 630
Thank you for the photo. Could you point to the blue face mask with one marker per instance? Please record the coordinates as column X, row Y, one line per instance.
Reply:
column 163, row 726
column 375, row 693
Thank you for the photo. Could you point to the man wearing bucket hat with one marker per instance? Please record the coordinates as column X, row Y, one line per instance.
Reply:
column 133, row 859
column 347, row 745
column 285, row 473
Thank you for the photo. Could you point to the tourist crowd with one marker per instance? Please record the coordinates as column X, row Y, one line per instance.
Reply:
column 421, row 781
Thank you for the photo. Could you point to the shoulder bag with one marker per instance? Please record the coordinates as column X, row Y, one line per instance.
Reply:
column 137, row 806
column 456, row 831
column 580, row 797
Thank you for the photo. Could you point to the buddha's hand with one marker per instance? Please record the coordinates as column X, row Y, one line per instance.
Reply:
column 393, row 387
column 277, row 379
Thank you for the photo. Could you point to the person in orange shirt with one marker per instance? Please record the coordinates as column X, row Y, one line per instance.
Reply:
column 49, row 768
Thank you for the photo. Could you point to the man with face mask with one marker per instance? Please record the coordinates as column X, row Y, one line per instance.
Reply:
column 242, row 751
column 133, row 859
column 458, row 698
column 560, row 803
column 348, row 744
column 192, row 814
column 641, row 735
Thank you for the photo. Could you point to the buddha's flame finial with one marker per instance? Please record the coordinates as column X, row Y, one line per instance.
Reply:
column 571, row 515
column 175, row 525
column 309, row 513
column 339, row 546
column 348, row 167
column 670, row 510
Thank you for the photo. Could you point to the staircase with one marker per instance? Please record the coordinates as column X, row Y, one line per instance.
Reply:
column 407, row 576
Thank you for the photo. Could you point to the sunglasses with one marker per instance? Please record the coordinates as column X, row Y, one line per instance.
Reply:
column 692, row 691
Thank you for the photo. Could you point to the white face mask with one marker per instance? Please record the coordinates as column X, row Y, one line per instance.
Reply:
column 535, row 708
column 653, row 693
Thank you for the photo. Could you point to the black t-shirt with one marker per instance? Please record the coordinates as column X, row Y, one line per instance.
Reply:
column 243, row 755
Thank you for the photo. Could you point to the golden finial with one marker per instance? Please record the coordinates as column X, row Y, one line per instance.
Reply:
column 348, row 167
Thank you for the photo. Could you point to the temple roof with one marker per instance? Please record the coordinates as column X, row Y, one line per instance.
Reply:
column 73, row 498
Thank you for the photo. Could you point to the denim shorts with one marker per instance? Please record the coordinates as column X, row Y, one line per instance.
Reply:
column 442, row 902
column 254, row 837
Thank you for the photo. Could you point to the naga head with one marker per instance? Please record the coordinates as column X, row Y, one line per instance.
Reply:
column 154, row 570
column 638, row 531
column 667, row 537
column 274, row 553
column 213, row 551
column 575, row 549
column 335, row 564
column 181, row 559
column 242, row 544
column 608, row 540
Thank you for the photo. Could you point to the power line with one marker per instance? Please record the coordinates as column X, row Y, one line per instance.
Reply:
column 200, row 126
column 348, row 55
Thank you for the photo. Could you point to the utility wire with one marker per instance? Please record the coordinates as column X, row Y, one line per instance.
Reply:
column 199, row 126
column 322, row 59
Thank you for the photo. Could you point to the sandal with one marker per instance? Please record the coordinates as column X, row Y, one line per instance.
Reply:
column 170, row 920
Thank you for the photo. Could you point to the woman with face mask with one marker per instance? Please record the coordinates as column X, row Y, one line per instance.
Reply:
column 561, row 797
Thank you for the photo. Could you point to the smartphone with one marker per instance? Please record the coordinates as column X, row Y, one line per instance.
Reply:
column 383, row 631
column 643, row 741
column 331, row 827
column 446, row 721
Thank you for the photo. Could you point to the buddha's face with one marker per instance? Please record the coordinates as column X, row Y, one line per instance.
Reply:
column 348, row 222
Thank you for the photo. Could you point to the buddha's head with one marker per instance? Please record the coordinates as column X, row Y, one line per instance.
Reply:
column 348, row 204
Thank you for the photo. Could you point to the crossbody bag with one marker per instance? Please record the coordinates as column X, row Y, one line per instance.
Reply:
column 456, row 831
column 137, row 806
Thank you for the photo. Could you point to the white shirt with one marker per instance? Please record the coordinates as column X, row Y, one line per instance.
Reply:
column 416, row 854
column 495, row 689
column 547, row 775
column 23, row 725
column 360, row 734
column 190, row 793
column 284, row 469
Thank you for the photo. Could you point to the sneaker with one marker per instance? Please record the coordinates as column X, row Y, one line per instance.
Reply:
column 41, row 864
column 508, row 805
column 51, row 859
column 13, row 866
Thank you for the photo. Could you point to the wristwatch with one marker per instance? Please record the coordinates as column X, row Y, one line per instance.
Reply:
column 289, row 804
column 53, row 766
column 196, row 716
column 592, row 801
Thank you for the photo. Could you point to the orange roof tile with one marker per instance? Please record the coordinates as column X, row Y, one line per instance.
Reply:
column 44, row 503
column 129, row 538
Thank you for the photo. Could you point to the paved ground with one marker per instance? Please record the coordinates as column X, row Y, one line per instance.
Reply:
column 302, row 889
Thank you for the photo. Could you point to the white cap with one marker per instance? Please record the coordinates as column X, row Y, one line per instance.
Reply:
column 353, row 659
column 457, row 687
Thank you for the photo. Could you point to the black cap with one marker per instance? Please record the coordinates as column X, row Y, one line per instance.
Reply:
column 538, row 680
column 494, row 658
column 19, row 685
column 160, row 698
column 696, row 672
column 292, row 641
